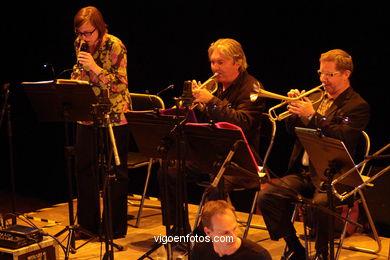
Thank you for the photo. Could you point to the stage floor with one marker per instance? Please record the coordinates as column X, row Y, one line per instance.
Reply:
column 139, row 240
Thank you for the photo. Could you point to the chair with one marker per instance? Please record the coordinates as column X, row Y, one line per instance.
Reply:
column 360, row 198
column 269, row 126
column 143, row 102
column 262, row 170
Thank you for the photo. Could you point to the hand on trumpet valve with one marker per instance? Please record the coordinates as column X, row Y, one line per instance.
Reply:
column 196, row 85
column 302, row 107
column 201, row 95
column 293, row 93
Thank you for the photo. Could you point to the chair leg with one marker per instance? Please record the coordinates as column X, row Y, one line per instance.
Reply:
column 343, row 234
column 249, row 220
column 201, row 203
column 373, row 230
column 141, row 205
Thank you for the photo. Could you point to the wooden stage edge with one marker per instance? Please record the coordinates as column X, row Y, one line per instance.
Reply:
column 140, row 240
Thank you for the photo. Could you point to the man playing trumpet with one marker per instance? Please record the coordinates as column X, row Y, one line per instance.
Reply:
column 342, row 114
column 229, row 103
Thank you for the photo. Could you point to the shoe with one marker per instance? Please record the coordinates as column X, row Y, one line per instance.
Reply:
column 321, row 255
column 294, row 255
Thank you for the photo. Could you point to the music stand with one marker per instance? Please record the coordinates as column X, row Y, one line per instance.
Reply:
column 222, row 149
column 330, row 158
column 142, row 122
column 322, row 149
column 63, row 101
column 161, row 144
column 222, row 143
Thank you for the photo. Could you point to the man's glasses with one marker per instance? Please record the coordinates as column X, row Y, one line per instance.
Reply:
column 327, row 74
column 86, row 34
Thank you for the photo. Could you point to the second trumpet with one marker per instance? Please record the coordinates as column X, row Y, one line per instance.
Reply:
column 272, row 113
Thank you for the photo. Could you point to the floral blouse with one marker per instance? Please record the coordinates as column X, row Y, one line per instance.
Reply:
column 112, row 82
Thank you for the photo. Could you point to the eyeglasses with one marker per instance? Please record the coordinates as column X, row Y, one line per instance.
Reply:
column 327, row 74
column 86, row 34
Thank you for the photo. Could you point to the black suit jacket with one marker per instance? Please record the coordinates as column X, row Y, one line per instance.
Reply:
column 344, row 120
column 235, row 106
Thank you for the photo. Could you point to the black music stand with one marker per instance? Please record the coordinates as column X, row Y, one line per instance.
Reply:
column 63, row 101
column 330, row 158
column 222, row 149
column 322, row 150
column 156, row 136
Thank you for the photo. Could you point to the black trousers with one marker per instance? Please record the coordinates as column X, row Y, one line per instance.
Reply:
column 277, row 205
column 91, row 177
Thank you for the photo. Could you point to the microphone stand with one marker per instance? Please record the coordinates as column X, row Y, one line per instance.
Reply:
column 165, row 89
column 180, row 227
column 107, row 143
column 6, row 111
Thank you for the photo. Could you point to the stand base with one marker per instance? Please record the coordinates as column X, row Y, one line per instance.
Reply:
column 75, row 230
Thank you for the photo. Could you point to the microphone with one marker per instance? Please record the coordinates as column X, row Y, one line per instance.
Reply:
column 83, row 47
column 186, row 96
column 165, row 89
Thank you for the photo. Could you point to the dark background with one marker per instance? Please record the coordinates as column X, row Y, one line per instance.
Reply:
column 167, row 44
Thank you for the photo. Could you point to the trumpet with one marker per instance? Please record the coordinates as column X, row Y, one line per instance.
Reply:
column 272, row 113
column 211, row 85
